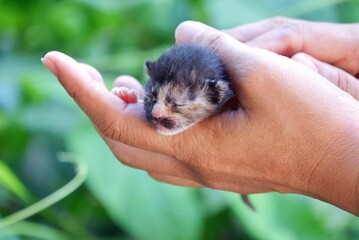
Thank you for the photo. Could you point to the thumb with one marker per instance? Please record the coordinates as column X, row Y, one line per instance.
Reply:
column 226, row 47
column 339, row 77
column 242, row 63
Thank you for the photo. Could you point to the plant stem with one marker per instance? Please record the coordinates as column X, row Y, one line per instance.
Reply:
column 52, row 198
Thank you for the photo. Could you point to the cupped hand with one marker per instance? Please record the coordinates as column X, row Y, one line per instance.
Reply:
column 291, row 133
column 331, row 49
column 333, row 43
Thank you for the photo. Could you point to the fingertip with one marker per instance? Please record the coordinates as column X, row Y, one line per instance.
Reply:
column 129, row 82
column 186, row 32
column 51, row 59
column 53, row 55
column 47, row 60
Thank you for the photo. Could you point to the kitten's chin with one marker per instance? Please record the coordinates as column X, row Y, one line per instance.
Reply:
column 169, row 132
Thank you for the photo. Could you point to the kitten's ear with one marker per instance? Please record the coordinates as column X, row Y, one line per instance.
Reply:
column 221, row 89
column 149, row 67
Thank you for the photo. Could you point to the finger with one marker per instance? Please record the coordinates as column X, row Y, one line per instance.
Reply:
column 328, row 42
column 174, row 180
column 339, row 77
column 149, row 161
column 111, row 115
column 277, row 41
column 95, row 75
column 247, row 32
column 129, row 82
column 279, row 34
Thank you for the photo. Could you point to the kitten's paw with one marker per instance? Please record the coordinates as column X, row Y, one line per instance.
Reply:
column 126, row 94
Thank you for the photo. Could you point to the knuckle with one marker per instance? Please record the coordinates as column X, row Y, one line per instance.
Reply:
column 157, row 177
column 288, row 33
column 125, row 161
column 304, row 59
column 279, row 20
column 213, row 39
column 299, row 57
column 109, row 128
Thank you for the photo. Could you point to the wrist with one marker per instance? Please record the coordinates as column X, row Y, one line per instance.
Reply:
column 334, row 178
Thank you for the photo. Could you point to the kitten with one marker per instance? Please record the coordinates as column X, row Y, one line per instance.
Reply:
column 186, row 85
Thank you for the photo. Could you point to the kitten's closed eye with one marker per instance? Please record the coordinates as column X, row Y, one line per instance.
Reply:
column 175, row 107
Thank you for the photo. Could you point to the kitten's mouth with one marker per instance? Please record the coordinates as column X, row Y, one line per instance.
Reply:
column 164, row 122
column 168, row 126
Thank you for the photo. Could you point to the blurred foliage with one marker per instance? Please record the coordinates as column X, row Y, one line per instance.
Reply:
column 38, row 120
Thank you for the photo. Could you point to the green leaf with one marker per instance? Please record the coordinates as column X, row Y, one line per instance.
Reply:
column 144, row 208
column 291, row 217
column 9, row 181
column 33, row 230
column 225, row 13
column 308, row 6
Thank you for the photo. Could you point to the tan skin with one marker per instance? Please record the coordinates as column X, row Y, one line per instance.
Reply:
column 296, row 133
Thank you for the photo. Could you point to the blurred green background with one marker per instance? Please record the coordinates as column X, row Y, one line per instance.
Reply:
column 38, row 120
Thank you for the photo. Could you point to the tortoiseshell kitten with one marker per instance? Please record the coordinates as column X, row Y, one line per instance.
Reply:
column 186, row 85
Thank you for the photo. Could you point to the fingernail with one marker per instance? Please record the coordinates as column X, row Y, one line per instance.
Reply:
column 122, row 92
column 134, row 92
column 187, row 31
column 50, row 65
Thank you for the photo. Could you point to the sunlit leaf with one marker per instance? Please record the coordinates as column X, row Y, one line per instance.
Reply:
column 239, row 12
column 290, row 217
column 11, row 182
column 115, row 5
column 33, row 231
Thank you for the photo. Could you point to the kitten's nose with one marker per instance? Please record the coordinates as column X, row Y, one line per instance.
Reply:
column 157, row 119
column 157, row 113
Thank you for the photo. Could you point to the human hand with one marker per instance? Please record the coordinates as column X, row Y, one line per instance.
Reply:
column 290, row 135
column 330, row 49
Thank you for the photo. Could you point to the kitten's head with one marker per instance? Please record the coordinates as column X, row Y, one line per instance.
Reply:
column 174, row 106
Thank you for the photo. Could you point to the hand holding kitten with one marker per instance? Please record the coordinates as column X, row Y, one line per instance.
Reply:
column 290, row 136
